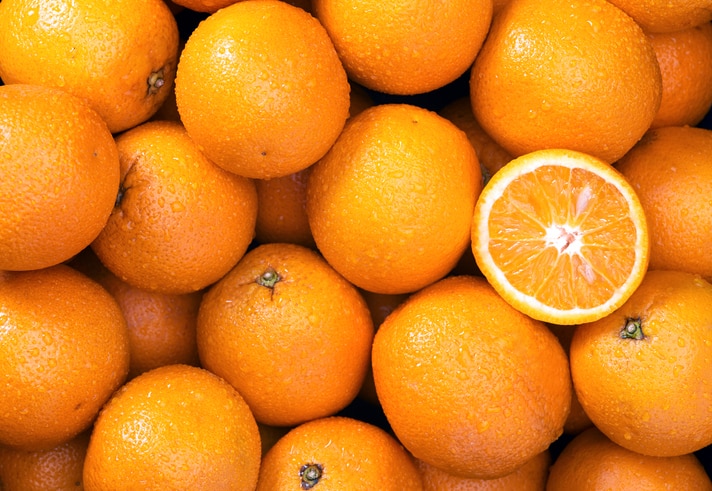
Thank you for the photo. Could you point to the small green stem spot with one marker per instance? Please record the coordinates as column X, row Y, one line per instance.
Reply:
column 310, row 475
column 633, row 329
column 269, row 278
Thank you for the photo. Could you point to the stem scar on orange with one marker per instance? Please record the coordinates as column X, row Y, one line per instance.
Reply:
column 561, row 236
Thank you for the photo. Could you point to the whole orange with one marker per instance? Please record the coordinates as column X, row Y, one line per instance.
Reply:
column 593, row 462
column 58, row 468
column 338, row 453
column 118, row 55
column 268, row 74
column 63, row 351
column 643, row 373
column 60, row 176
column 469, row 384
column 670, row 170
column 390, row 205
column 303, row 338
column 174, row 427
column 579, row 75
column 180, row 222
column 531, row 476
column 685, row 59
column 405, row 46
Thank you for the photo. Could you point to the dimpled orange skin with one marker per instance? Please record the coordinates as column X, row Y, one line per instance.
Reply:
column 685, row 59
column 180, row 221
column 60, row 169
column 468, row 383
column 63, row 352
column 594, row 462
column 670, row 170
column 650, row 395
column 261, row 89
column 579, row 75
column 390, row 205
column 118, row 55
column 667, row 15
column 174, row 427
column 58, row 468
column 397, row 47
column 302, row 347
column 350, row 455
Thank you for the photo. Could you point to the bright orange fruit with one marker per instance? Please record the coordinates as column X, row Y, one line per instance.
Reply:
column 269, row 74
column 63, row 352
column 118, row 55
column 643, row 373
column 574, row 74
column 561, row 235
column 390, row 205
column 174, row 427
column 60, row 176
column 469, row 384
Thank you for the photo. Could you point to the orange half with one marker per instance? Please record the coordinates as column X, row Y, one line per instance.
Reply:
column 561, row 235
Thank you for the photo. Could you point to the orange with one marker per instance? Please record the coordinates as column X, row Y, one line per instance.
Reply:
column 594, row 462
column 643, row 373
column 531, row 476
column 60, row 171
column 408, row 46
column 561, row 236
column 491, row 155
column 269, row 75
column 63, row 352
column 667, row 15
column 282, row 210
column 390, row 205
column 685, row 59
column 180, row 222
column 671, row 172
column 174, row 427
column 302, row 347
column 161, row 327
column 119, row 55
column 577, row 420
column 58, row 468
column 580, row 75
column 467, row 383
column 338, row 453
column 380, row 305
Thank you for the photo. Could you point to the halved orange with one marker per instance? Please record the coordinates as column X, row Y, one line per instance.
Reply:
column 561, row 235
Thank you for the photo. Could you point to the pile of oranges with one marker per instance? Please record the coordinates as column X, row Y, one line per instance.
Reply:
column 354, row 244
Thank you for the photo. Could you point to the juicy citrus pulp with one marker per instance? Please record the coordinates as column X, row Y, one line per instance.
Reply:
column 561, row 236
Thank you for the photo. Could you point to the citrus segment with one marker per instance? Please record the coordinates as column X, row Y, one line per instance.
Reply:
column 561, row 236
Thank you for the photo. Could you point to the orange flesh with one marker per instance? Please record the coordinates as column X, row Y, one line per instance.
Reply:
column 564, row 234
